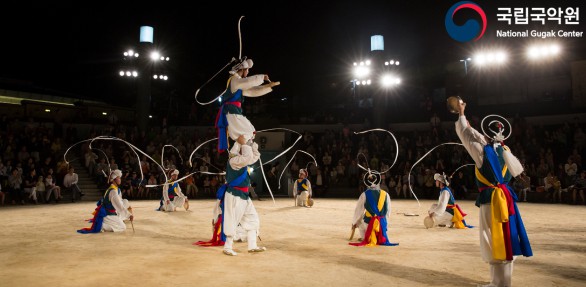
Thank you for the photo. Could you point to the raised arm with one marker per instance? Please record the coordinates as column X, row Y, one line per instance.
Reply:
column 248, row 84
column 472, row 140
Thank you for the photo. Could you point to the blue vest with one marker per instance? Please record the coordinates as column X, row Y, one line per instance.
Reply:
column 486, row 171
column 231, row 175
column 107, row 204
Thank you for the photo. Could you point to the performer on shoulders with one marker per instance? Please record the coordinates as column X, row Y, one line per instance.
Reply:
column 230, row 119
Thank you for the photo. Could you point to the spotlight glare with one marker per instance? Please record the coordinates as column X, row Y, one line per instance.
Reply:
column 128, row 73
column 155, row 56
column 135, row 74
column 501, row 57
column 361, row 71
column 121, row 73
column 125, row 54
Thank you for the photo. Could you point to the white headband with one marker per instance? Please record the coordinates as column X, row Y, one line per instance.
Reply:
column 115, row 173
column 246, row 64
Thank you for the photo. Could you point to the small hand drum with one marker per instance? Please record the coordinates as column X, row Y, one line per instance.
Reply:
column 428, row 222
column 454, row 104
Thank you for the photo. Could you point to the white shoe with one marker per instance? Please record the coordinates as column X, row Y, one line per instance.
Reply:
column 258, row 249
column 230, row 252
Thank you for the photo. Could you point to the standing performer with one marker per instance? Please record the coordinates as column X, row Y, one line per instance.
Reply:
column 235, row 203
column 230, row 120
column 372, row 212
column 112, row 210
column 446, row 212
column 502, row 233
column 172, row 195
column 302, row 189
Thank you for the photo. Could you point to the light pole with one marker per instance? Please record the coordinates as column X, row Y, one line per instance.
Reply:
column 145, row 72
column 466, row 64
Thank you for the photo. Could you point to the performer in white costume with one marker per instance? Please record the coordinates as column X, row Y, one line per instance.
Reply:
column 114, row 221
column 230, row 117
column 302, row 189
column 446, row 212
column 173, row 197
column 111, row 210
column 438, row 210
column 502, row 233
column 238, row 207
column 372, row 214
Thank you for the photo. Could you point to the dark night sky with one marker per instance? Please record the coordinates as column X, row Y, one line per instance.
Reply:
column 307, row 45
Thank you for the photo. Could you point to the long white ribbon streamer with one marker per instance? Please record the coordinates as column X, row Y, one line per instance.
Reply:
column 396, row 145
column 293, row 157
column 409, row 177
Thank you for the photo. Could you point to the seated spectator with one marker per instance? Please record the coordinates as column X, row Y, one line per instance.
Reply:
column 40, row 186
column 30, row 185
column 2, row 194
column 553, row 187
column 191, row 189
column 51, row 187
column 70, row 182
column 579, row 187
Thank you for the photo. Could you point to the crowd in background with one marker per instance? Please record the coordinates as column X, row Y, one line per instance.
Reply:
column 32, row 151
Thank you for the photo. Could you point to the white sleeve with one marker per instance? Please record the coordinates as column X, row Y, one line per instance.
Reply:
column 472, row 140
column 238, row 83
column 216, row 212
column 359, row 210
column 118, row 205
column 255, row 153
column 442, row 202
column 75, row 178
column 179, row 191
column 309, row 188
column 165, row 192
column 257, row 91
column 294, row 188
column 242, row 160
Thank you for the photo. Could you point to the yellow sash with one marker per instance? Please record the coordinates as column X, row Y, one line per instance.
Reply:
column 499, row 215
column 457, row 219
column 376, row 224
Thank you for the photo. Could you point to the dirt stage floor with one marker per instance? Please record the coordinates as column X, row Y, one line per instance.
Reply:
column 39, row 246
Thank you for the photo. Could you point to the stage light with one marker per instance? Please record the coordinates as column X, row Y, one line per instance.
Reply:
column 155, row 56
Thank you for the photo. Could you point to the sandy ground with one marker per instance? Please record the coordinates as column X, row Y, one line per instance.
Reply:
column 306, row 247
